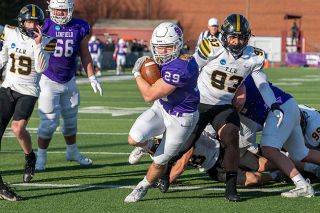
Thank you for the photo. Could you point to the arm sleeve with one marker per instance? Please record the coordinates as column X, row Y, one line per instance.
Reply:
column 202, row 53
column 260, row 80
column 41, row 58
column 199, row 40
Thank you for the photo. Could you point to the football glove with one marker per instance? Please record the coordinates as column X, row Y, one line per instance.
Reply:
column 278, row 112
column 95, row 84
column 137, row 66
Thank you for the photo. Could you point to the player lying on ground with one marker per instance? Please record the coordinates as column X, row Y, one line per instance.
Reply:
column 207, row 156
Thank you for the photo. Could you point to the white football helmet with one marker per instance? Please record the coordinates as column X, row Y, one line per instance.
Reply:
column 61, row 4
column 166, row 34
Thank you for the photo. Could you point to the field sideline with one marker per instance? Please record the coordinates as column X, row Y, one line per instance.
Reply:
column 103, row 126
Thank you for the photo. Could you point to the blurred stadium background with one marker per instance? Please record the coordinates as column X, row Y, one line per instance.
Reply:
column 133, row 20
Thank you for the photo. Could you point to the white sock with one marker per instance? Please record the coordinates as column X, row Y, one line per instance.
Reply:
column 72, row 148
column 41, row 151
column 310, row 167
column 145, row 183
column 298, row 180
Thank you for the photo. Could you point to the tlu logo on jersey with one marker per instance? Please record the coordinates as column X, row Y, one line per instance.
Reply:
column 223, row 62
column 57, row 27
column 13, row 45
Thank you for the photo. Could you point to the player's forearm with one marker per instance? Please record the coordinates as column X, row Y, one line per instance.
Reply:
column 260, row 80
column 145, row 89
column 41, row 58
column 88, row 65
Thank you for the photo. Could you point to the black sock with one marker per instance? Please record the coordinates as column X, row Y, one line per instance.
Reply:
column 30, row 156
column 231, row 182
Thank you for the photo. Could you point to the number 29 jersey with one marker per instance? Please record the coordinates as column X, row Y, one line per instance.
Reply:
column 62, row 64
column 24, row 60
column 221, row 73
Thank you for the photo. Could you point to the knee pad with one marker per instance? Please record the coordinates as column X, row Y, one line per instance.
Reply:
column 48, row 124
column 161, row 159
column 69, row 124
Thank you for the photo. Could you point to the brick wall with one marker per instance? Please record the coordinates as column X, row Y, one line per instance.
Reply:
column 266, row 16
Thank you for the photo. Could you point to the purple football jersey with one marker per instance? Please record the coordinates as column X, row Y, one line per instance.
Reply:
column 94, row 47
column 255, row 108
column 62, row 64
column 183, row 74
column 122, row 50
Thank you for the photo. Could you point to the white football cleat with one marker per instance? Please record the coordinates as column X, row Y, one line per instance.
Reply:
column 137, row 194
column 136, row 155
column 41, row 162
column 301, row 191
column 76, row 156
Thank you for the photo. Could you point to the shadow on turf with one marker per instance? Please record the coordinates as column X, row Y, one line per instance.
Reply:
column 244, row 196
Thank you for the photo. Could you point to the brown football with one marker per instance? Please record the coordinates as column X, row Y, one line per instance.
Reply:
column 150, row 71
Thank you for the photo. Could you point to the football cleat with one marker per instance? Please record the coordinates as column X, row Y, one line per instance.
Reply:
column 41, row 162
column 163, row 185
column 301, row 191
column 29, row 167
column 137, row 194
column 76, row 156
column 8, row 194
column 136, row 155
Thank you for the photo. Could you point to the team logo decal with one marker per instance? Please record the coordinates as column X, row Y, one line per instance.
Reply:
column 57, row 27
column 223, row 62
column 178, row 31
column 13, row 45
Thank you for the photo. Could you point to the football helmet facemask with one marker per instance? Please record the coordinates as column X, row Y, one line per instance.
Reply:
column 235, row 25
column 29, row 12
column 166, row 34
column 62, row 5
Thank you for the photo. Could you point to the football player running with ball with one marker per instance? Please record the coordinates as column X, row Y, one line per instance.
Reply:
column 59, row 93
column 25, row 53
column 224, row 64
column 176, row 98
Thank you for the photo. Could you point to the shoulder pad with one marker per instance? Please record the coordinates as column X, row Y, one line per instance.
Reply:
column 7, row 29
column 2, row 36
column 11, row 27
column 214, row 42
column 185, row 57
column 258, row 51
column 204, row 48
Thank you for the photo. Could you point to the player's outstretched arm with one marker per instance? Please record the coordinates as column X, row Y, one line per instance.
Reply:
column 180, row 165
column 88, row 66
column 260, row 80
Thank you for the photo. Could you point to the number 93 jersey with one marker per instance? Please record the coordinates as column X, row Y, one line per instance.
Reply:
column 62, row 64
column 24, row 60
column 221, row 73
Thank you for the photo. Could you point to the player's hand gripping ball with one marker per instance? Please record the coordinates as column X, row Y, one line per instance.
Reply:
column 150, row 71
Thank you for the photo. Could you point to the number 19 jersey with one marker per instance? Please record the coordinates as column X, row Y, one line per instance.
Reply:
column 22, row 57
column 221, row 73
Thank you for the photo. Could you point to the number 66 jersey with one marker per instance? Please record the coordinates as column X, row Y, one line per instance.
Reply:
column 24, row 60
column 221, row 73
column 62, row 64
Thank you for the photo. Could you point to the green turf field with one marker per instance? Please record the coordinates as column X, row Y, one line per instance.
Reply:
column 104, row 123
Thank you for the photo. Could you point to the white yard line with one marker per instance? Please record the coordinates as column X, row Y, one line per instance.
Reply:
column 181, row 188
column 9, row 134
column 91, row 153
